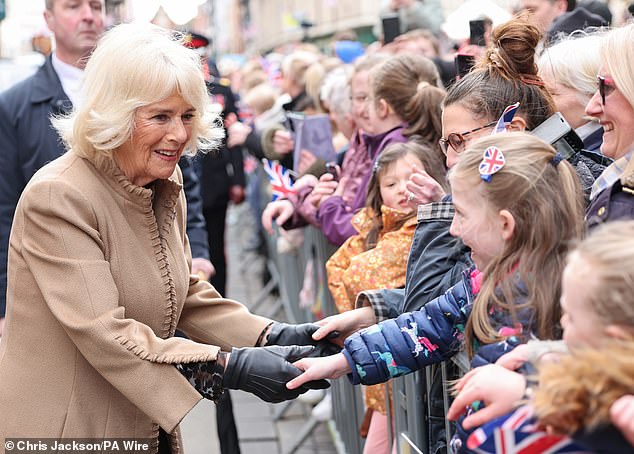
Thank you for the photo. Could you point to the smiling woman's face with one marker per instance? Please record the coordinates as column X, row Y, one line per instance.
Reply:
column 161, row 131
column 616, row 117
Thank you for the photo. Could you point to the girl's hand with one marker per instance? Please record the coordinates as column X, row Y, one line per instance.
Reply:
column 622, row 416
column 306, row 159
column 341, row 187
column 423, row 188
column 280, row 210
column 283, row 142
column 514, row 359
column 305, row 180
column 345, row 324
column 499, row 388
column 318, row 368
column 237, row 134
column 324, row 189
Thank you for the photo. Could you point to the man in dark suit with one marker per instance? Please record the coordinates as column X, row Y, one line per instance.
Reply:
column 28, row 140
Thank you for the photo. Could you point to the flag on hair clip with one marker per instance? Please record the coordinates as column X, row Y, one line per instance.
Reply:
column 518, row 433
column 280, row 178
column 492, row 162
column 505, row 118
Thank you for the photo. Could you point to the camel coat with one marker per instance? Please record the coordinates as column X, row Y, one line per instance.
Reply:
column 98, row 281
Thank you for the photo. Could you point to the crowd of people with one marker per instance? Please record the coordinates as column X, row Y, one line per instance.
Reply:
column 464, row 223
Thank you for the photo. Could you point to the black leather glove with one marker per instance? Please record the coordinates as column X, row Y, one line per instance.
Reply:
column 285, row 334
column 264, row 371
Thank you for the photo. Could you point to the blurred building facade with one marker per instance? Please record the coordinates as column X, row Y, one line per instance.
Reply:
column 266, row 24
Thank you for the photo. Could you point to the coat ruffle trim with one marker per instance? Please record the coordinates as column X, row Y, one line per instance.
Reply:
column 166, row 358
column 158, row 204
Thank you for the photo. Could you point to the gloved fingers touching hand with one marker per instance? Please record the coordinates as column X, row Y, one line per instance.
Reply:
column 302, row 334
column 264, row 371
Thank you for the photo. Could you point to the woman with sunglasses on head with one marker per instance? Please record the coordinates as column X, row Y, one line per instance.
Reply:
column 613, row 106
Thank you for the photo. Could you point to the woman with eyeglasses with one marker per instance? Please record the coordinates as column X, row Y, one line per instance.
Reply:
column 613, row 106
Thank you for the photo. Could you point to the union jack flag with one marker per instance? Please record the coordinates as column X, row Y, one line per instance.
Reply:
column 505, row 118
column 280, row 178
column 492, row 161
column 518, row 433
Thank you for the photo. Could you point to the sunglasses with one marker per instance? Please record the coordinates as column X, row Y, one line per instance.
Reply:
column 457, row 139
column 606, row 87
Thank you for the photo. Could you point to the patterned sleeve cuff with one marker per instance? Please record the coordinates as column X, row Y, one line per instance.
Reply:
column 206, row 376
column 435, row 211
column 375, row 299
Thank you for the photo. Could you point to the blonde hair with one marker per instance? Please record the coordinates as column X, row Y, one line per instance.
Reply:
column 135, row 65
column 574, row 63
column 577, row 391
column 295, row 65
column 617, row 57
column 261, row 98
column 545, row 199
column 609, row 255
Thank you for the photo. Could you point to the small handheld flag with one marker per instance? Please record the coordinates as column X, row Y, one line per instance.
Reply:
column 280, row 178
column 505, row 118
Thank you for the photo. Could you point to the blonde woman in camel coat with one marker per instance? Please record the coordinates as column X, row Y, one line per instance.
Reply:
column 99, row 266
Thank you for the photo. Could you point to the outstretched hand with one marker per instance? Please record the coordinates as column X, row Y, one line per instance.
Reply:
column 316, row 369
column 337, row 328
column 280, row 210
column 500, row 389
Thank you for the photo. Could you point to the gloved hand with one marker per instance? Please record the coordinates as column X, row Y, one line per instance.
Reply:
column 264, row 371
column 285, row 334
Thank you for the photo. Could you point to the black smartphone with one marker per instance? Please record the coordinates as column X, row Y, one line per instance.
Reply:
column 476, row 32
column 331, row 168
column 464, row 63
column 391, row 27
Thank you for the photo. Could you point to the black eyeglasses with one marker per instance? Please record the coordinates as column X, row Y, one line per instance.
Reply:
column 606, row 87
column 457, row 139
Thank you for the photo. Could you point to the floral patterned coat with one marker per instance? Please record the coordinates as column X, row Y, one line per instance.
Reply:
column 352, row 269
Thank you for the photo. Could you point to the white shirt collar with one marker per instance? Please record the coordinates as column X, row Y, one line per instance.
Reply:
column 70, row 76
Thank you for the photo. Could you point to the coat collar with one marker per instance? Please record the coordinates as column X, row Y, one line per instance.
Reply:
column 362, row 221
column 161, row 192
column 47, row 86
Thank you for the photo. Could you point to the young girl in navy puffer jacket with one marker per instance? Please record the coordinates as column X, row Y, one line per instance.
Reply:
column 518, row 207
